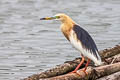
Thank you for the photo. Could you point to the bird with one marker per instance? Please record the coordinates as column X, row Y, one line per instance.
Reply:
column 79, row 38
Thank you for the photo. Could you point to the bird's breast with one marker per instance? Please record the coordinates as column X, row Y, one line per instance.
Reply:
column 66, row 31
column 74, row 41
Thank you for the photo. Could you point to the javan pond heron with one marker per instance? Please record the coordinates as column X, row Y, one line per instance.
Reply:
column 79, row 38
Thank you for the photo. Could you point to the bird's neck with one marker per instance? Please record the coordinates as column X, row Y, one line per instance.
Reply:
column 67, row 26
column 67, row 23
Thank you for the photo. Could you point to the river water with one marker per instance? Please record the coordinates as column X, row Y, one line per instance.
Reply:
column 29, row 46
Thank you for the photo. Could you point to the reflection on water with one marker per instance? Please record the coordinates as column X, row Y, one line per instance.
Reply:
column 28, row 45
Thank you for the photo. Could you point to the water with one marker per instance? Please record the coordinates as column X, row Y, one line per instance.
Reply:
column 29, row 46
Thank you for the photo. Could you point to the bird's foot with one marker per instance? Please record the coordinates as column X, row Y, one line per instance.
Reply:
column 86, row 73
column 75, row 72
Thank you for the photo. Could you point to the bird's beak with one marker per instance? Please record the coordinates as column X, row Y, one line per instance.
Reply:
column 48, row 18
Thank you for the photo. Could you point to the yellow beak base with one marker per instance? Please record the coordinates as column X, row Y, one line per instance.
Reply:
column 47, row 18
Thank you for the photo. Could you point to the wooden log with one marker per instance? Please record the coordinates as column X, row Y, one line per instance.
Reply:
column 115, row 76
column 58, row 70
column 93, row 73
column 110, row 52
column 113, row 59
column 70, row 65
column 71, row 76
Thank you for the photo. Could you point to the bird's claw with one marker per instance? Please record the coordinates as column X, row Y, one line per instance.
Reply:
column 86, row 73
column 75, row 73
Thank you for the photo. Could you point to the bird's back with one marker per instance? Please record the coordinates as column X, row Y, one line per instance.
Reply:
column 82, row 41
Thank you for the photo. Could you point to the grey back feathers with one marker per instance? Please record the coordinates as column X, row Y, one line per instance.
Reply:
column 86, row 40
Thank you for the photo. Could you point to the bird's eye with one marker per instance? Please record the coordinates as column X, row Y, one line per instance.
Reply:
column 57, row 17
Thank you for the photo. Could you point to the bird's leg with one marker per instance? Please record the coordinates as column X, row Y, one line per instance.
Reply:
column 82, row 61
column 84, row 70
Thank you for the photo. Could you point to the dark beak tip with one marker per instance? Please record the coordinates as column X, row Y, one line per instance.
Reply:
column 42, row 18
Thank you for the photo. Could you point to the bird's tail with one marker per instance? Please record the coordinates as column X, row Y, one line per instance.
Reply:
column 98, row 60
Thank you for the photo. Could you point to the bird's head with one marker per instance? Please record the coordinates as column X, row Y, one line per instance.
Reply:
column 62, row 17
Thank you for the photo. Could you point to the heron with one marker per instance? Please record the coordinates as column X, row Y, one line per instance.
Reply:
column 80, row 39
